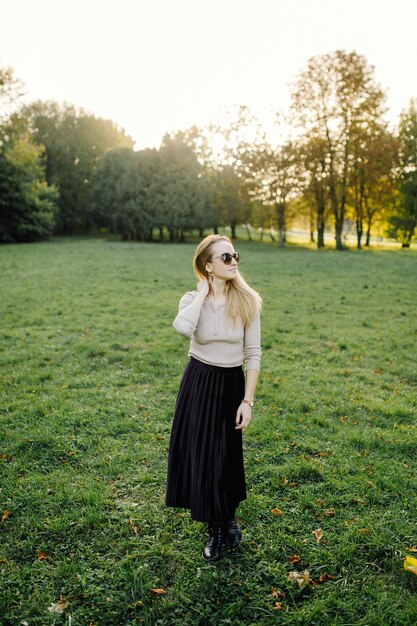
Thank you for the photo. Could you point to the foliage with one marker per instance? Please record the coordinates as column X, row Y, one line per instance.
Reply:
column 336, row 100
column 27, row 203
column 73, row 141
column 90, row 367
column 403, row 221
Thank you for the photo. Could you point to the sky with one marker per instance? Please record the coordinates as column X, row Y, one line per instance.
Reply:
column 157, row 66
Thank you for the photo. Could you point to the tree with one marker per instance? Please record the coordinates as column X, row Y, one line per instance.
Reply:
column 230, row 199
column 274, row 179
column 314, row 175
column 27, row 203
column 334, row 97
column 180, row 197
column 372, row 184
column 403, row 220
column 74, row 141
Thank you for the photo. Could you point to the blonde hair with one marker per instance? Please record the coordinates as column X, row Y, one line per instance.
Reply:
column 242, row 300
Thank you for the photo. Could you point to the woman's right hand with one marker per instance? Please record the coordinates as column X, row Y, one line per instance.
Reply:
column 203, row 287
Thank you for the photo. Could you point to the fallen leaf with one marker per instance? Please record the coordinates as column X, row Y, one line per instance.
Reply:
column 133, row 527
column 325, row 577
column 302, row 579
column 58, row 607
column 358, row 501
column 276, row 511
column 318, row 533
column 41, row 555
column 330, row 512
column 320, row 502
column 295, row 558
column 412, row 549
column 158, row 592
column 6, row 514
column 278, row 606
column 410, row 564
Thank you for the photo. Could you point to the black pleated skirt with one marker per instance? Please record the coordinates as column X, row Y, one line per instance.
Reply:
column 205, row 464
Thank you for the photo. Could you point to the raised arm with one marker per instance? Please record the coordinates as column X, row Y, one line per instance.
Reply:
column 190, row 308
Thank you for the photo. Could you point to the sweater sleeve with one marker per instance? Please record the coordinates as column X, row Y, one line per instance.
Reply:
column 252, row 344
column 186, row 321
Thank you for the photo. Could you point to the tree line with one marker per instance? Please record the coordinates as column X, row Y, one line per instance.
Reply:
column 64, row 171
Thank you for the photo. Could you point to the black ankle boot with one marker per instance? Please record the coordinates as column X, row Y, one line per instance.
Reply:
column 232, row 533
column 212, row 550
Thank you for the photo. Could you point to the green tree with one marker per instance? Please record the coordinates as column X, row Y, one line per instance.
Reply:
column 74, row 141
column 334, row 97
column 403, row 220
column 27, row 203
column 372, row 185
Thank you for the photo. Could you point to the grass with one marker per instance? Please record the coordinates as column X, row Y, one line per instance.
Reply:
column 90, row 366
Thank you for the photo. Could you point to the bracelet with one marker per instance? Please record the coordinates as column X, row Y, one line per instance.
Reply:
column 250, row 402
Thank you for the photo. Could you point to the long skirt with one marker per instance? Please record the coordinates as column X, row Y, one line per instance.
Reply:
column 205, row 465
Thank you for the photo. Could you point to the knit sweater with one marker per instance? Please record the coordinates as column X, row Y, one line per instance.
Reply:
column 215, row 342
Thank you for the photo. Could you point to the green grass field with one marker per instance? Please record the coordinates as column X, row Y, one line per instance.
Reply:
column 90, row 366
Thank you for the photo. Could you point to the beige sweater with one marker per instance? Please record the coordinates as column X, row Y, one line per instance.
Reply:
column 212, row 341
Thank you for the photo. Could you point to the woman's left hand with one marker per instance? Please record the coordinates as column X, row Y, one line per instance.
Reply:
column 243, row 416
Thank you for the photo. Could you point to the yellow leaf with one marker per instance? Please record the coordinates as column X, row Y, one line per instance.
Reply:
column 276, row 511
column 302, row 579
column 58, row 607
column 158, row 592
column 295, row 558
column 278, row 606
column 412, row 549
column 410, row 564
column 318, row 533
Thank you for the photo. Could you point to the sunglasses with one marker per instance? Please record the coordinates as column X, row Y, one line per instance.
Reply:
column 226, row 257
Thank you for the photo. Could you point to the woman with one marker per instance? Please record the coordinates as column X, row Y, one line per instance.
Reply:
column 215, row 399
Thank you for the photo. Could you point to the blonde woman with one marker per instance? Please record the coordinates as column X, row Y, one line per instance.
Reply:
column 215, row 399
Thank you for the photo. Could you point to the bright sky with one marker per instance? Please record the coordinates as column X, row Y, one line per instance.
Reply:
column 154, row 66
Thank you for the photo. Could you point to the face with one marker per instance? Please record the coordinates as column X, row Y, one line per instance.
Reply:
column 217, row 266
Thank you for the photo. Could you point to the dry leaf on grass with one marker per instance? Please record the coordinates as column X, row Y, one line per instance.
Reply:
column 158, row 592
column 133, row 527
column 294, row 558
column 302, row 579
column 410, row 564
column 318, row 533
column 276, row 511
column 412, row 549
column 58, row 607
column 325, row 577
column 6, row 514
column 278, row 606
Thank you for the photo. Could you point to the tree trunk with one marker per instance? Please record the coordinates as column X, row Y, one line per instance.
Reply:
column 338, row 233
column 233, row 229
column 281, row 223
column 359, row 232
column 261, row 237
column 161, row 233
column 249, row 233
column 216, row 230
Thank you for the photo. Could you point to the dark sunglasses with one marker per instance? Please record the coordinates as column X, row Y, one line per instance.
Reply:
column 226, row 257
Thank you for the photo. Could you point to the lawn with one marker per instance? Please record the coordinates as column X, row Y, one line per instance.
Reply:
column 90, row 366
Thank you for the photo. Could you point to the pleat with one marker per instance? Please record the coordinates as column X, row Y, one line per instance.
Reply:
column 205, row 464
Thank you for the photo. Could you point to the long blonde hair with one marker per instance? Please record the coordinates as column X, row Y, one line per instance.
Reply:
column 242, row 300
